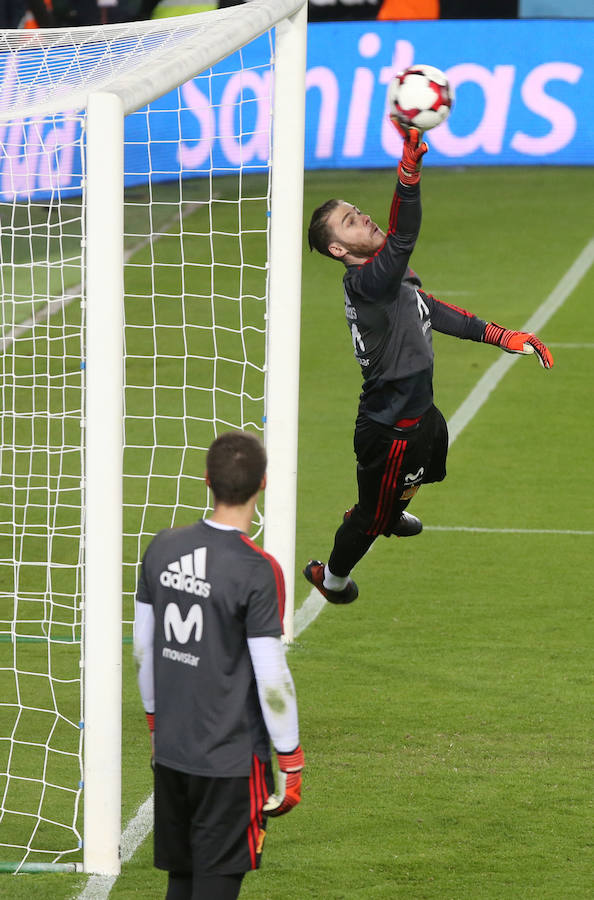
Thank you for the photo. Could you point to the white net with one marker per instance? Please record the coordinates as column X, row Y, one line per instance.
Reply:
column 41, row 512
column 197, row 212
column 195, row 282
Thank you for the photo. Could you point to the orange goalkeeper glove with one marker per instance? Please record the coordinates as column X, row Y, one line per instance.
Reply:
column 518, row 342
column 289, row 783
column 409, row 170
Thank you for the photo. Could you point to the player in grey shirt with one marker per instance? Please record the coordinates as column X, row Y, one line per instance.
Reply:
column 401, row 437
column 215, row 684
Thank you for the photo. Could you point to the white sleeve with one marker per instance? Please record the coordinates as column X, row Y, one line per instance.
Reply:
column 276, row 691
column 144, row 630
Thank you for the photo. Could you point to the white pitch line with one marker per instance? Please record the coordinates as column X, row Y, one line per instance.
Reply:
column 138, row 829
column 495, row 373
column 479, row 530
column 556, row 344
column 98, row 887
column 309, row 610
column 72, row 293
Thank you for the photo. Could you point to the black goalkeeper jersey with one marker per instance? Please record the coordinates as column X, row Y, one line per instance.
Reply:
column 210, row 590
column 391, row 319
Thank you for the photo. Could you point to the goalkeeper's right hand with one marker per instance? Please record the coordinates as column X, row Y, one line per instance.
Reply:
column 409, row 170
column 518, row 342
column 289, row 783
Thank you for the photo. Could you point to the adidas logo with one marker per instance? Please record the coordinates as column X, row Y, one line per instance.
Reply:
column 188, row 574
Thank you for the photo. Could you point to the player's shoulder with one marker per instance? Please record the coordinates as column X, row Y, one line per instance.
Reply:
column 259, row 558
column 412, row 278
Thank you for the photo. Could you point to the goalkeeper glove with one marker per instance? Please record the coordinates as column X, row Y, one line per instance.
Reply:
column 518, row 342
column 289, row 783
column 409, row 170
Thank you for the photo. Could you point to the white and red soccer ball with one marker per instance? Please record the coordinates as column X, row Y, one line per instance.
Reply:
column 420, row 97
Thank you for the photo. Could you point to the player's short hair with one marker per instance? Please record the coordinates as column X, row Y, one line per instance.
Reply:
column 235, row 465
column 320, row 235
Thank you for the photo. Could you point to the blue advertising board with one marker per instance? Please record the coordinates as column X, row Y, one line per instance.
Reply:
column 523, row 97
column 523, row 91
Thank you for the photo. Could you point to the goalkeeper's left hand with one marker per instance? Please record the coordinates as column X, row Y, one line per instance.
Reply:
column 518, row 342
column 289, row 784
column 400, row 127
column 409, row 170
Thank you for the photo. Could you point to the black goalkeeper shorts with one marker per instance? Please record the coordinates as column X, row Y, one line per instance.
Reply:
column 210, row 825
column 392, row 463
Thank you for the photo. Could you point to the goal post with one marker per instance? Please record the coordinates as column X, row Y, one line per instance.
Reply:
column 182, row 334
column 282, row 406
column 104, row 376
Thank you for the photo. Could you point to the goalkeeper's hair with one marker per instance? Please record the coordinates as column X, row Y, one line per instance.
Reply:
column 235, row 465
column 319, row 235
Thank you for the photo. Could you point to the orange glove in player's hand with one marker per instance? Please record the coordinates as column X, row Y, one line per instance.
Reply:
column 289, row 783
column 518, row 342
column 399, row 126
column 409, row 170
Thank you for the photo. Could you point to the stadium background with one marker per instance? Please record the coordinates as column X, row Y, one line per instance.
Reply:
column 523, row 98
column 450, row 757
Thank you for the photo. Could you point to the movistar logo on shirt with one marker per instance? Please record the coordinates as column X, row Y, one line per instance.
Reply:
column 188, row 574
column 180, row 628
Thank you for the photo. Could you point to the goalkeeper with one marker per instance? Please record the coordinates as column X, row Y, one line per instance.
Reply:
column 401, row 438
column 215, row 684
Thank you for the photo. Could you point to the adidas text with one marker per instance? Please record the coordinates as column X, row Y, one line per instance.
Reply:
column 188, row 583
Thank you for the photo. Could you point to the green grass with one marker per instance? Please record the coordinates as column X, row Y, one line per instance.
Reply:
column 445, row 716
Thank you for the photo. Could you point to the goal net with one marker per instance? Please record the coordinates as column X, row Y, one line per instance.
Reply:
column 150, row 238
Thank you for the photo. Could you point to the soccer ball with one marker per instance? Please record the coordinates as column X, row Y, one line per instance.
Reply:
column 420, row 97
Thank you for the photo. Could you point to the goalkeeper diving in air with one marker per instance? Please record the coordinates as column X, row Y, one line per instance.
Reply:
column 401, row 438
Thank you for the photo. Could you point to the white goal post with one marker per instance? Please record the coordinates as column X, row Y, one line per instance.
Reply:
column 98, row 77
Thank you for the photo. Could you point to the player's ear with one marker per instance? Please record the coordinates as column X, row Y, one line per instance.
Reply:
column 263, row 483
column 337, row 250
column 207, row 480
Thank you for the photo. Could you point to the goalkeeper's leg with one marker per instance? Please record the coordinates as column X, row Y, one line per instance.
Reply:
column 351, row 543
column 392, row 463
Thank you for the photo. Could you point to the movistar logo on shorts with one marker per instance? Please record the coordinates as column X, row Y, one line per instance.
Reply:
column 413, row 478
column 188, row 574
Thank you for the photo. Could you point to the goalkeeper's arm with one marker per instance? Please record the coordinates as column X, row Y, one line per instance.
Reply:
column 454, row 320
column 279, row 708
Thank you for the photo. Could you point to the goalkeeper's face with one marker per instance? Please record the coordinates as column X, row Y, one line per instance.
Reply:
column 355, row 236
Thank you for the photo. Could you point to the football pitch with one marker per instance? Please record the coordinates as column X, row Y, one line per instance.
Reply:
column 446, row 715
